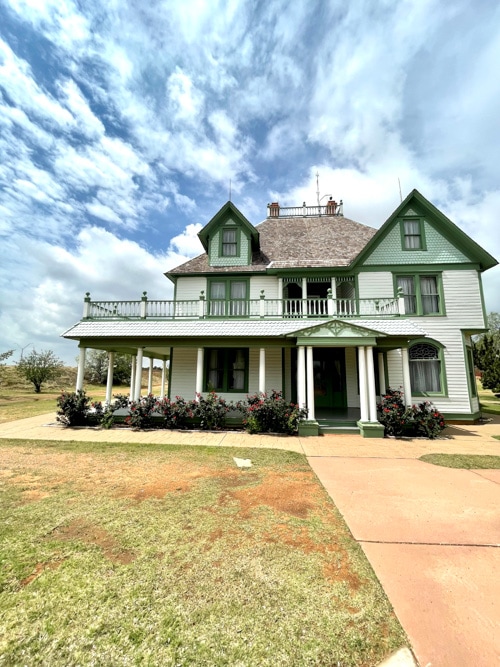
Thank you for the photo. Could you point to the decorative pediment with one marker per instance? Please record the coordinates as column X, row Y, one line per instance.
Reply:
column 338, row 329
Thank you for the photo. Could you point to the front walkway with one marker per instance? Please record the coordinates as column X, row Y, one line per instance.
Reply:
column 431, row 534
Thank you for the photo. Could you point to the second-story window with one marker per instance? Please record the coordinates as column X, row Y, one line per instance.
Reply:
column 421, row 294
column 228, row 298
column 229, row 243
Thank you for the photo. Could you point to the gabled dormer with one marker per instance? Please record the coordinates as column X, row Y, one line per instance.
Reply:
column 229, row 238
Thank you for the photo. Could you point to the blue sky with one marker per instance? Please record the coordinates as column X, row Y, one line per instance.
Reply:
column 122, row 124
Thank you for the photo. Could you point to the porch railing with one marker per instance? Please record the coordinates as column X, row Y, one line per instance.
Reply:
column 241, row 308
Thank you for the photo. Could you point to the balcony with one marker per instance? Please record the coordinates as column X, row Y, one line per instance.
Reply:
column 271, row 309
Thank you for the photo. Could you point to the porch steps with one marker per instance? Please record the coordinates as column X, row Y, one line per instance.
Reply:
column 335, row 426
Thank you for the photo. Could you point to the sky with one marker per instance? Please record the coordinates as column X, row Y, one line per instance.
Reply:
column 125, row 125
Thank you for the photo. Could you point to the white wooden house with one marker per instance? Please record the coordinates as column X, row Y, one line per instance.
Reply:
column 328, row 311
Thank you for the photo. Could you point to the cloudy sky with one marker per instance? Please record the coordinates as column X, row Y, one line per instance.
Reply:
column 122, row 124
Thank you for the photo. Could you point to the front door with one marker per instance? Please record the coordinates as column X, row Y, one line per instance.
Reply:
column 329, row 378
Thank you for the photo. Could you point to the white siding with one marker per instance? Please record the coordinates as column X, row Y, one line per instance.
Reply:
column 394, row 369
column 189, row 288
column 376, row 285
column 273, row 370
column 351, row 377
column 184, row 372
column 267, row 283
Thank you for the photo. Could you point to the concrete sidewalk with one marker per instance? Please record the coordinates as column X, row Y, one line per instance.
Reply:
column 431, row 534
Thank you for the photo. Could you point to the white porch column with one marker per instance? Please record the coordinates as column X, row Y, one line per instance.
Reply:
column 310, row 384
column 109, row 379
column 81, row 369
column 150, row 376
column 132, row 377
column 262, row 370
column 301, row 377
column 163, row 376
column 280, row 296
column 381, row 373
column 372, row 396
column 333, row 282
column 199, row 372
column 363, row 389
column 138, row 374
column 304, row 297
column 406, row 376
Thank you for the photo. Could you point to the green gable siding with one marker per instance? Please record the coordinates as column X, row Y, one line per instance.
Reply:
column 439, row 249
column 215, row 254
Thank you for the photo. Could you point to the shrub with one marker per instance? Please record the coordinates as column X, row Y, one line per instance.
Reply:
column 175, row 413
column 399, row 420
column 270, row 414
column 73, row 408
column 211, row 410
column 141, row 412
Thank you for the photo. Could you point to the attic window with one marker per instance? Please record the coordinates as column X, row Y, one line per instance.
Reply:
column 229, row 243
column 412, row 234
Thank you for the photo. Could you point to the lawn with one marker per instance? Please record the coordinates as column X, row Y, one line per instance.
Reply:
column 162, row 555
column 464, row 461
column 18, row 399
column 488, row 401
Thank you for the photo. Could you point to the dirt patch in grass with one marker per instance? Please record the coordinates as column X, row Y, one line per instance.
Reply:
column 82, row 531
column 39, row 569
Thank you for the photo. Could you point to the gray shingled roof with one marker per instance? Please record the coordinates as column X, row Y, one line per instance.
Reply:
column 322, row 241
column 243, row 328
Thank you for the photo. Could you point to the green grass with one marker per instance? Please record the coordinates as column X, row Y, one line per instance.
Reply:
column 488, row 401
column 466, row 461
column 163, row 555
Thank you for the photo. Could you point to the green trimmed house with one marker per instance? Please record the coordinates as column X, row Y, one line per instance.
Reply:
column 327, row 310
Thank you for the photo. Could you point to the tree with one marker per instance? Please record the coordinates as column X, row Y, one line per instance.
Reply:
column 96, row 367
column 487, row 354
column 39, row 367
column 3, row 357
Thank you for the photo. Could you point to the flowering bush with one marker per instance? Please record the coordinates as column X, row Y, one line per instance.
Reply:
column 141, row 412
column 175, row 413
column 270, row 414
column 73, row 408
column 399, row 420
column 211, row 410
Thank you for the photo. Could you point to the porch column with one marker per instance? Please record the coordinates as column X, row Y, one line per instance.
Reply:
column 199, row 373
column 334, row 295
column 381, row 373
column 81, row 369
column 262, row 370
column 372, row 396
column 109, row 379
column 138, row 374
column 310, row 384
column 163, row 375
column 301, row 377
column 150, row 376
column 304, row 297
column 406, row 376
column 280, row 296
column 132, row 377
column 363, row 394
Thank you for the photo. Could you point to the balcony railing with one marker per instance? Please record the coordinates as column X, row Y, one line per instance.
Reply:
column 242, row 309
column 331, row 208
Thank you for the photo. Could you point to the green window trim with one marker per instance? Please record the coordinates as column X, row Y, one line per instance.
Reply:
column 230, row 241
column 471, row 375
column 439, row 375
column 422, row 292
column 228, row 297
column 226, row 370
column 412, row 234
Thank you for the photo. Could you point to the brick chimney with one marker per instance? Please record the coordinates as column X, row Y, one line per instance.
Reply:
column 331, row 207
column 274, row 210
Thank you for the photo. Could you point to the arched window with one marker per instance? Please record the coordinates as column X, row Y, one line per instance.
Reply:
column 425, row 368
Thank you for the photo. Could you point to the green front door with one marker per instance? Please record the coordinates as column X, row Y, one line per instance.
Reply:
column 329, row 378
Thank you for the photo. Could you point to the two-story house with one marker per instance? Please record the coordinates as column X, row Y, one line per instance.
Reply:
column 327, row 310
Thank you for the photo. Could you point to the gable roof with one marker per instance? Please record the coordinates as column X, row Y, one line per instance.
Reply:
column 227, row 211
column 295, row 242
column 444, row 225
